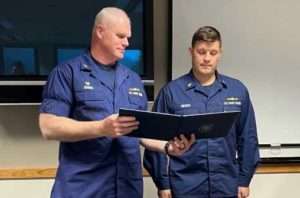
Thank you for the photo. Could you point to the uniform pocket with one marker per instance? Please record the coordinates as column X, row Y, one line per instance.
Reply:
column 232, row 104
column 231, row 107
column 89, row 96
column 91, row 105
column 93, row 150
column 136, row 102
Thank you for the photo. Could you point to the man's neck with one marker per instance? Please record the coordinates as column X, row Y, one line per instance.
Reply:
column 100, row 57
column 205, row 80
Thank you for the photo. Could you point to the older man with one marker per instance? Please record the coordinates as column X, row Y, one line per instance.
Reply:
column 79, row 107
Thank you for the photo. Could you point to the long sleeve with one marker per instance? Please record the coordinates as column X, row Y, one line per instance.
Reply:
column 248, row 151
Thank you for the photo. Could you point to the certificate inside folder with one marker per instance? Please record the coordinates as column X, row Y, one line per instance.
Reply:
column 164, row 126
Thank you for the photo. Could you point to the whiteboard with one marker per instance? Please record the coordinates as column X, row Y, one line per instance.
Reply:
column 261, row 47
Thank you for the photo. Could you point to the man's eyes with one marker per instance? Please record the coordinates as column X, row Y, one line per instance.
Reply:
column 121, row 36
column 212, row 53
column 202, row 52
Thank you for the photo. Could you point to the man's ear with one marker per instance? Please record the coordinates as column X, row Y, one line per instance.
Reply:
column 191, row 50
column 99, row 29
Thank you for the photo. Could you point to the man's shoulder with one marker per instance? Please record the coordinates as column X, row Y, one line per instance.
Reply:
column 179, row 83
column 129, row 72
column 232, row 82
column 73, row 62
column 67, row 67
column 178, row 80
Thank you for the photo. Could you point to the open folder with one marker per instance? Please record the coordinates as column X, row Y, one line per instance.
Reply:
column 165, row 126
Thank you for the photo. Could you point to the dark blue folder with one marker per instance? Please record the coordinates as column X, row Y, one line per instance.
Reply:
column 164, row 126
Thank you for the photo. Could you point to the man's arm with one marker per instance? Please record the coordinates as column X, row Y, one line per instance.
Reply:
column 174, row 147
column 156, row 163
column 248, row 153
column 65, row 129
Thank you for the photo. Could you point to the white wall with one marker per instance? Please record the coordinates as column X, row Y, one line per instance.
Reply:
column 38, row 188
column 21, row 144
column 260, row 47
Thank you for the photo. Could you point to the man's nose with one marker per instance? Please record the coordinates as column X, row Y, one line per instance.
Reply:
column 125, row 42
column 207, row 57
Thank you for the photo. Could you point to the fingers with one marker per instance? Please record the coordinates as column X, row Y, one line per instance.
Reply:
column 243, row 192
column 126, row 121
column 125, row 118
column 116, row 126
column 184, row 142
column 239, row 195
column 180, row 145
column 165, row 193
column 123, row 128
column 121, row 132
column 175, row 147
column 126, row 124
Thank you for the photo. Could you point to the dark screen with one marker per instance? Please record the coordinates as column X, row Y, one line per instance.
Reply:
column 37, row 35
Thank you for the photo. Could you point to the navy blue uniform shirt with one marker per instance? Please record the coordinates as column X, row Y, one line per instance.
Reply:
column 212, row 168
column 101, row 167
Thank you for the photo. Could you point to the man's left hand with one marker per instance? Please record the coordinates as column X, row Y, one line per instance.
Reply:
column 243, row 192
column 178, row 146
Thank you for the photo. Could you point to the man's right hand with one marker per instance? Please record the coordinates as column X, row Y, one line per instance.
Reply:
column 165, row 193
column 115, row 126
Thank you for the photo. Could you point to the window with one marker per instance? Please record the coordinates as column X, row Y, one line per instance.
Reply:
column 18, row 61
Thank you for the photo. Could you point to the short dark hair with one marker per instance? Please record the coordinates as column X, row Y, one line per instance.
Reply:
column 206, row 34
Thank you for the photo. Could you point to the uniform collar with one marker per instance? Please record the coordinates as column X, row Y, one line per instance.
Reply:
column 191, row 82
column 90, row 65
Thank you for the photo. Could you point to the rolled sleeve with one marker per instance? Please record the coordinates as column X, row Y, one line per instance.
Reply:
column 57, row 93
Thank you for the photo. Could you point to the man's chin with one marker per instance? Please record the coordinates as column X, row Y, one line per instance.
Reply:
column 120, row 56
column 207, row 72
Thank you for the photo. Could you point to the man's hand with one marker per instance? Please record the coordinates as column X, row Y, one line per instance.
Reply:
column 243, row 192
column 115, row 126
column 178, row 146
column 164, row 193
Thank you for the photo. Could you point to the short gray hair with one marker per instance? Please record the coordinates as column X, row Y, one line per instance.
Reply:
column 108, row 12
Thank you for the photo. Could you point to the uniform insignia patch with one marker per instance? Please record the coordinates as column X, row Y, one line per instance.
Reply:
column 185, row 105
column 135, row 91
column 232, row 101
column 87, row 85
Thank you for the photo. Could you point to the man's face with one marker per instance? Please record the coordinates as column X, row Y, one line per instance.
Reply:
column 205, row 57
column 115, row 38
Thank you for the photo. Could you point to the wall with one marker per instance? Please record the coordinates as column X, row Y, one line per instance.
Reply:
column 260, row 47
column 22, row 146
